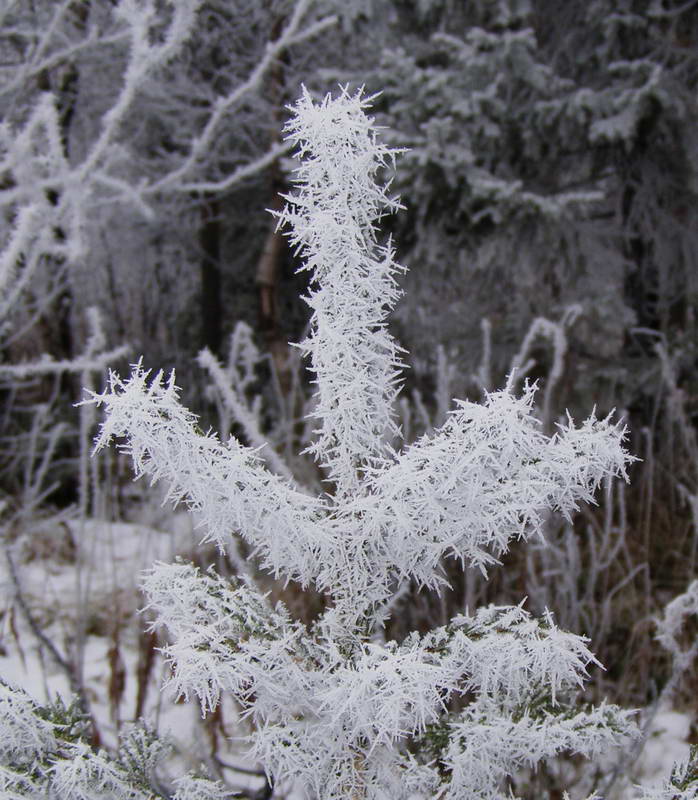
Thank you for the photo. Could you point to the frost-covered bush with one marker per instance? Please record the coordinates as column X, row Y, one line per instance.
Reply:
column 45, row 752
column 451, row 713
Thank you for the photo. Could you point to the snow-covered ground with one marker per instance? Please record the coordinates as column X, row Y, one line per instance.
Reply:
column 666, row 745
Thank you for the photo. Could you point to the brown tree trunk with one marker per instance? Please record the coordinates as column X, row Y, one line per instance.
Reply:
column 269, row 263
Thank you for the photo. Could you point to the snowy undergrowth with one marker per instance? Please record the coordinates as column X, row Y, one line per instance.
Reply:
column 110, row 557
column 453, row 713
column 45, row 751
column 83, row 575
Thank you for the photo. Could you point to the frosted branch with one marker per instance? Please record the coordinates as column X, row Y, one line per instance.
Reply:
column 225, row 483
column 332, row 220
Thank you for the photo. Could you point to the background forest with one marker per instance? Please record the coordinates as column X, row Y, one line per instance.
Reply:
column 549, row 182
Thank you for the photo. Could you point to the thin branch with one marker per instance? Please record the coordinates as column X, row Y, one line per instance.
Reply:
column 202, row 143
column 47, row 366
column 238, row 175
column 75, row 686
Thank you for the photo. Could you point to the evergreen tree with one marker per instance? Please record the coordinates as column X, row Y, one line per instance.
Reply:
column 454, row 712
column 550, row 153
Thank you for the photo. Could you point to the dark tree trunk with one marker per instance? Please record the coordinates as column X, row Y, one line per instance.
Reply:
column 269, row 263
column 211, row 302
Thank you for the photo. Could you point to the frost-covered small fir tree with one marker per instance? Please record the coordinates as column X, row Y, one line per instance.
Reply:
column 453, row 713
